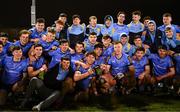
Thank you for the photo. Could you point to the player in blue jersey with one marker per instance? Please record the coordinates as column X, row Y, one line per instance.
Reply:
column 108, row 28
column 14, row 74
column 63, row 51
column 36, row 68
column 100, row 59
column 122, row 68
column 78, row 55
column 37, row 32
column 64, row 22
column 4, row 40
column 135, row 27
column 84, row 76
column 142, row 68
column 94, row 27
column 37, row 63
column 167, row 19
column 76, row 32
column 163, row 67
column 120, row 27
column 90, row 42
column 127, row 47
column 138, row 43
column 49, row 43
column 61, row 33
column 108, row 48
column 23, row 42
column 170, row 41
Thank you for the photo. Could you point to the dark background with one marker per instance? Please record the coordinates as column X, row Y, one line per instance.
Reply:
column 16, row 13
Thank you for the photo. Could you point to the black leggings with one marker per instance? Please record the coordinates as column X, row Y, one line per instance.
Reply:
column 49, row 95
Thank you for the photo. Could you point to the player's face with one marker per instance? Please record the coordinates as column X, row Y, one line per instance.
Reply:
column 151, row 27
column 65, row 64
column 1, row 48
column 98, row 51
column 146, row 22
column 124, row 40
column 138, row 42
column 136, row 17
column 17, row 54
column 63, row 19
column 108, row 23
column 76, row 21
column 169, row 33
column 24, row 38
column 167, row 20
column 79, row 48
column 139, row 54
column 93, row 22
column 121, row 18
column 50, row 37
column 162, row 53
column 40, row 26
column 118, row 48
column 38, row 51
column 64, row 47
column 59, row 27
column 92, row 39
column 106, row 42
column 90, row 59
column 3, row 40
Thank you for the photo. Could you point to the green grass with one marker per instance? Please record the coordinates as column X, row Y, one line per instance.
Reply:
column 127, row 103
column 122, row 103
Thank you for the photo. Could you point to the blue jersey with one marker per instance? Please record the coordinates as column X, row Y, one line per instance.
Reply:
column 48, row 45
column 177, row 63
column 88, row 46
column 96, row 29
column 135, row 27
column 108, row 51
column 100, row 60
column 140, row 65
column 13, row 71
column 84, row 83
column 128, row 49
column 160, row 65
column 147, row 51
column 76, row 30
column 174, row 28
column 6, row 46
column 108, row 30
column 76, row 57
column 38, row 63
column 62, row 74
column 35, row 34
column 56, row 56
column 118, row 29
column 119, row 65
column 25, row 48
column 170, row 43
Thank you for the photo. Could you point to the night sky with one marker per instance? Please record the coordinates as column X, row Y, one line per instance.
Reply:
column 16, row 13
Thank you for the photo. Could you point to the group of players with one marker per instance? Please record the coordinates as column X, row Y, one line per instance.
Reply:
column 109, row 58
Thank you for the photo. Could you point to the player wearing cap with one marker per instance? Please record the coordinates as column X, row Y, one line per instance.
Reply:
column 107, row 28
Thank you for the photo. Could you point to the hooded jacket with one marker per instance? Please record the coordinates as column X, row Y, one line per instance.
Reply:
column 108, row 30
column 153, row 39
